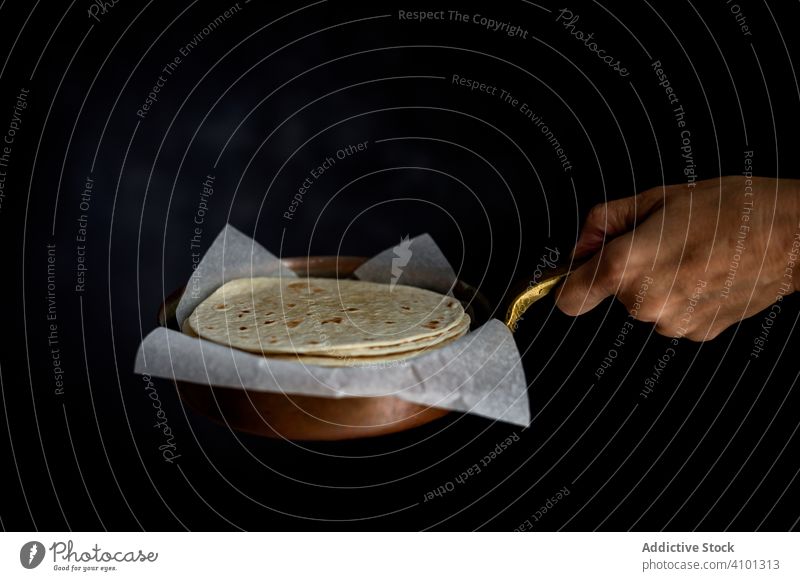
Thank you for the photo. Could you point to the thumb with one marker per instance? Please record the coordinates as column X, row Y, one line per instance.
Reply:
column 614, row 218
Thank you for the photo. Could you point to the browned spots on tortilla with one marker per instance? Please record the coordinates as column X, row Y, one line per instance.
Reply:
column 317, row 290
column 220, row 307
column 405, row 308
column 268, row 314
column 431, row 324
column 269, row 322
column 312, row 342
column 293, row 324
column 290, row 305
column 451, row 304
column 296, row 285
column 332, row 320
column 389, row 322
column 350, row 310
column 273, row 340
column 243, row 328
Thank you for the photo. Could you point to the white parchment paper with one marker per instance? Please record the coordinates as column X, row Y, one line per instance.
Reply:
column 480, row 373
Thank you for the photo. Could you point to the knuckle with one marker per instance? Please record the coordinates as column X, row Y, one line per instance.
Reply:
column 634, row 311
column 597, row 214
column 697, row 337
column 610, row 273
column 667, row 330
column 613, row 266
column 644, row 312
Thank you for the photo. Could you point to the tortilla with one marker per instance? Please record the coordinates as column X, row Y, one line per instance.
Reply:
column 333, row 360
column 391, row 360
column 327, row 317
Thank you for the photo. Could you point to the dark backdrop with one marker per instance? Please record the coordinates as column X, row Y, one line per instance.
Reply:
column 258, row 102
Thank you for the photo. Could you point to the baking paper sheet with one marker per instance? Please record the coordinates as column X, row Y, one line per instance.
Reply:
column 480, row 373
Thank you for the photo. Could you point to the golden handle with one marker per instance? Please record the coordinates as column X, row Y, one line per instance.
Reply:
column 535, row 290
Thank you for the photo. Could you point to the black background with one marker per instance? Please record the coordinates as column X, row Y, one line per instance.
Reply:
column 272, row 92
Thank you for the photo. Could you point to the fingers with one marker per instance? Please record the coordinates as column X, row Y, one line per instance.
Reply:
column 614, row 218
column 601, row 276
column 596, row 280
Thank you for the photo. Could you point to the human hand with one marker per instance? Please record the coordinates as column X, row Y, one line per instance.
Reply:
column 691, row 260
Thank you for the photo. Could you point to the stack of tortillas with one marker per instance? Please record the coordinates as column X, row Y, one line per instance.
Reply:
column 321, row 321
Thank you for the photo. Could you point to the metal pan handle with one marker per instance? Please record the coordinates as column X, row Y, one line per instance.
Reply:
column 537, row 288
